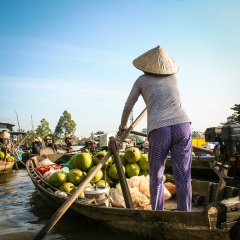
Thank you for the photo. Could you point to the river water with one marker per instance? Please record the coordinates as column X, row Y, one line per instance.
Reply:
column 23, row 213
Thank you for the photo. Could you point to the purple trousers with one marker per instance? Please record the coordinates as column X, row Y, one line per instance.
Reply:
column 178, row 140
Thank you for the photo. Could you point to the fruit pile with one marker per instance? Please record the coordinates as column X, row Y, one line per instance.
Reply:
column 134, row 163
column 9, row 158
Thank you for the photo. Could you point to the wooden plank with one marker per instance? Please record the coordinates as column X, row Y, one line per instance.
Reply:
column 230, row 192
column 212, row 197
column 221, row 187
column 231, row 216
column 201, row 188
column 228, row 225
column 46, row 151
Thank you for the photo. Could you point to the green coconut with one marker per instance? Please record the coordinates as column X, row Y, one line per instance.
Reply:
column 143, row 161
column 66, row 187
column 83, row 161
column 132, row 169
column 2, row 155
column 98, row 157
column 58, row 178
column 98, row 176
column 76, row 176
column 72, row 162
column 103, row 183
column 113, row 172
column 132, row 154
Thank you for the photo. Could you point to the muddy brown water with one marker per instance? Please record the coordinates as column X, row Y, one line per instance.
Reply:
column 23, row 213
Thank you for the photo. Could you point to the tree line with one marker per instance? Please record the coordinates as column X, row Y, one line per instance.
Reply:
column 235, row 117
column 65, row 126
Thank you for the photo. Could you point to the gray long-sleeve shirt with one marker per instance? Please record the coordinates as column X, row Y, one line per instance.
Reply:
column 162, row 99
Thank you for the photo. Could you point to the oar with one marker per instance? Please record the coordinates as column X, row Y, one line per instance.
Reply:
column 139, row 133
column 14, row 151
column 54, row 219
column 201, row 149
column 22, row 140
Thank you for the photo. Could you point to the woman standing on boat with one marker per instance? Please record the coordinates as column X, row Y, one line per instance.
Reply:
column 168, row 125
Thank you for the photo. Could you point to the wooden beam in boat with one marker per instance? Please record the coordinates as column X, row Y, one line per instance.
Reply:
column 121, row 175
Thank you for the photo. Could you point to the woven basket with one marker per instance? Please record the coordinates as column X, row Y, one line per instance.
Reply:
column 156, row 61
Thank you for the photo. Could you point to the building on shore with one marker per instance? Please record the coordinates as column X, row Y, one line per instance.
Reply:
column 7, row 127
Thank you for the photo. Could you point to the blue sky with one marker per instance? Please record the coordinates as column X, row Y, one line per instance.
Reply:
column 76, row 55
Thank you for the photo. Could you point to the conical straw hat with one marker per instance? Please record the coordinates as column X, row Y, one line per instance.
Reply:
column 38, row 139
column 156, row 61
column 4, row 135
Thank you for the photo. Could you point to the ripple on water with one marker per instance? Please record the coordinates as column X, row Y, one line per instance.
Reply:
column 23, row 213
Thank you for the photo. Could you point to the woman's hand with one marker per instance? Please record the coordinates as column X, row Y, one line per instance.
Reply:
column 122, row 130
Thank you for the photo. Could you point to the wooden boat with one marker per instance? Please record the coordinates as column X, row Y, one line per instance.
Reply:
column 200, row 166
column 61, row 147
column 6, row 167
column 207, row 220
column 27, row 154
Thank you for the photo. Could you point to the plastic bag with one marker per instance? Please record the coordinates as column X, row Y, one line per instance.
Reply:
column 144, row 186
column 66, row 164
column 45, row 162
column 134, row 181
column 138, row 198
column 143, row 200
column 45, row 168
column 139, row 191
column 48, row 174
column 65, row 169
column 135, row 195
column 116, row 198
column 167, row 194
column 147, row 177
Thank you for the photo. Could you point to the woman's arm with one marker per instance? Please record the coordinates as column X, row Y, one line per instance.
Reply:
column 131, row 100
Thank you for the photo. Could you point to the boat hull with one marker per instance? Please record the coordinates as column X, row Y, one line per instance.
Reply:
column 142, row 224
column 132, row 223
column 6, row 167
